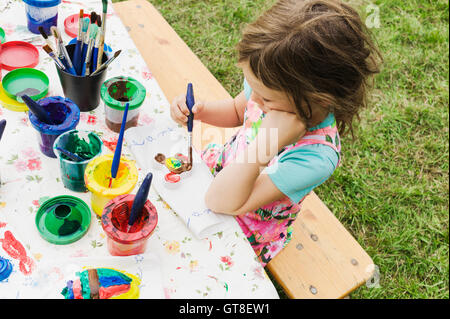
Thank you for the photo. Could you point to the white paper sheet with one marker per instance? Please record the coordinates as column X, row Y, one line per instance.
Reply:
column 187, row 199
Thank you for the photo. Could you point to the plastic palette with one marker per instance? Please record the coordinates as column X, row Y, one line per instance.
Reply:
column 28, row 81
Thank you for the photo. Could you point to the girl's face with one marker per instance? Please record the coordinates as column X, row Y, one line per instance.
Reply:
column 266, row 98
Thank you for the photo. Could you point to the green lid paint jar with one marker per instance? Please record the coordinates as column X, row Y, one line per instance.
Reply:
column 115, row 93
column 85, row 145
column 62, row 220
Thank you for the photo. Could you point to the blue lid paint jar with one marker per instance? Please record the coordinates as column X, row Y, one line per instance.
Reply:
column 65, row 115
column 41, row 13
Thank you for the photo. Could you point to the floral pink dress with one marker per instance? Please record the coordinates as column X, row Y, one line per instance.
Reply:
column 268, row 228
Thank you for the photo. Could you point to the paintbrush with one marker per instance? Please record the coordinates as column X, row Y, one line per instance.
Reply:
column 45, row 36
column 2, row 127
column 54, row 57
column 64, row 56
column 102, row 40
column 93, row 29
column 139, row 200
column 107, row 63
column 190, row 101
column 77, row 52
column 72, row 156
column 96, row 45
column 91, row 22
column 37, row 110
column 118, row 150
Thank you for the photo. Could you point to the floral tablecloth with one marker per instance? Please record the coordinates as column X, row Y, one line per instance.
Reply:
column 221, row 266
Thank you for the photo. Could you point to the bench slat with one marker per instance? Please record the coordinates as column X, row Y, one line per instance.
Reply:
column 323, row 260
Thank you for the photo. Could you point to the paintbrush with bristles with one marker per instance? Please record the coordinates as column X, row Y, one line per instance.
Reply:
column 63, row 56
column 50, row 52
column 96, row 45
column 77, row 52
column 107, row 63
column 45, row 36
column 91, row 25
column 103, row 34
column 93, row 29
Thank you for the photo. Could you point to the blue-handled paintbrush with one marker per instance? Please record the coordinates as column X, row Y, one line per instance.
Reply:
column 72, row 156
column 95, row 51
column 2, row 127
column 139, row 200
column 77, row 53
column 118, row 151
column 37, row 110
column 86, row 70
column 190, row 101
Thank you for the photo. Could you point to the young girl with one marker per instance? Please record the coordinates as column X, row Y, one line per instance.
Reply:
column 306, row 66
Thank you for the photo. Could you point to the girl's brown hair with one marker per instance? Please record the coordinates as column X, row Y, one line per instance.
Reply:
column 317, row 51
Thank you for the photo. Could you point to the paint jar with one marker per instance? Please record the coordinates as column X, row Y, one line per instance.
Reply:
column 115, row 93
column 98, row 175
column 63, row 219
column 65, row 115
column 87, row 145
column 83, row 90
column 115, row 224
column 41, row 13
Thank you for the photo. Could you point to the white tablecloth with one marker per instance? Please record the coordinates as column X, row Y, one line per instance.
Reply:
column 220, row 266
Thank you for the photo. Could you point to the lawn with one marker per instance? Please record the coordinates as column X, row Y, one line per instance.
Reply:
column 391, row 191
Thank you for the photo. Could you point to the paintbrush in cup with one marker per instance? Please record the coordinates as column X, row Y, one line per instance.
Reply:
column 118, row 150
column 54, row 57
column 64, row 56
column 139, row 201
column 77, row 52
column 72, row 156
column 107, row 63
column 102, row 40
column 96, row 45
column 93, row 29
column 45, row 36
column 90, row 22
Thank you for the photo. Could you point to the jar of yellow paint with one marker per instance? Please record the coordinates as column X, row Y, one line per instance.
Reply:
column 98, row 175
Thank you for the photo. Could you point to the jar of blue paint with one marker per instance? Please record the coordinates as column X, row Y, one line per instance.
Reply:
column 41, row 13
column 5, row 268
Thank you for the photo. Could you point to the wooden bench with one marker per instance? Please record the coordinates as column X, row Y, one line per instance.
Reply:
column 323, row 260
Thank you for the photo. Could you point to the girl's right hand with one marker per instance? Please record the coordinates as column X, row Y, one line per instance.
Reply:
column 180, row 112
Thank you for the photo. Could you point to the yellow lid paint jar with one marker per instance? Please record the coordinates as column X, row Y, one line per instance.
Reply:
column 98, row 175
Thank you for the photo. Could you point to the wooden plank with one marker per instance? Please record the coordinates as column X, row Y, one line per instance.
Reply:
column 323, row 260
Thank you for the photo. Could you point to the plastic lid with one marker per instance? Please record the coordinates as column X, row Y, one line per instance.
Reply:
column 63, row 219
column 42, row 3
column 134, row 91
column 5, row 268
column 18, row 54
column 2, row 35
column 50, row 103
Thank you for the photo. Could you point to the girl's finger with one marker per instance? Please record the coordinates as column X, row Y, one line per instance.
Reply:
column 198, row 107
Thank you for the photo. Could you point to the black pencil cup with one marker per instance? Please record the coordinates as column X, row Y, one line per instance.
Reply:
column 83, row 90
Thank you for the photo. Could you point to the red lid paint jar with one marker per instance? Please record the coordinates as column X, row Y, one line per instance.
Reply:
column 115, row 217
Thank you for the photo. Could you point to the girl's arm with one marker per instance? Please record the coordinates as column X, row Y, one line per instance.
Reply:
column 239, row 187
column 224, row 113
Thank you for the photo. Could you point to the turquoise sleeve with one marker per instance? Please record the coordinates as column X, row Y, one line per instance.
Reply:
column 299, row 171
column 247, row 90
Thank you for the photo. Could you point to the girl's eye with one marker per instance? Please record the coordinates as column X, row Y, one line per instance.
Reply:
column 265, row 100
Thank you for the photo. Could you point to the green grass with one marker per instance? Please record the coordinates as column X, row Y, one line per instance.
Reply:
column 391, row 191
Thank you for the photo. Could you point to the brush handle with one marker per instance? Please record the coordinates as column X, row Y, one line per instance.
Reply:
column 118, row 151
column 104, row 65
column 2, row 127
column 83, row 57
column 77, row 57
column 140, row 199
column 37, row 110
column 72, row 156
column 94, row 59
column 190, row 104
